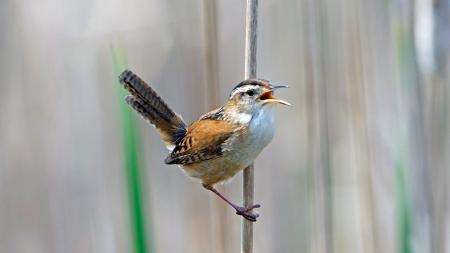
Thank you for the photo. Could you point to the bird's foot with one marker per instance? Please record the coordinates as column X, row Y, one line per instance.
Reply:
column 246, row 212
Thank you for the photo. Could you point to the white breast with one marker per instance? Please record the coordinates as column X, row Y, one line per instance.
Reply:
column 262, row 127
column 241, row 151
column 260, row 133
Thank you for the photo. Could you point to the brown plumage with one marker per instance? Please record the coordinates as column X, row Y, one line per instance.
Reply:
column 203, row 141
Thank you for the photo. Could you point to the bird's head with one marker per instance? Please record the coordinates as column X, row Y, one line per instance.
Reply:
column 252, row 95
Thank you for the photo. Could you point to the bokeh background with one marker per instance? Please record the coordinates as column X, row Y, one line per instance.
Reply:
column 359, row 164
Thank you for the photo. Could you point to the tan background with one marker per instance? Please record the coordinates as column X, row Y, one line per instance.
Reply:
column 359, row 164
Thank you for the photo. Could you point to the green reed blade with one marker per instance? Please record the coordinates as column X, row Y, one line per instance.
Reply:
column 133, row 169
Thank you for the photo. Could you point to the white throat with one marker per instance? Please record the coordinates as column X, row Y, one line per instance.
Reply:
column 241, row 117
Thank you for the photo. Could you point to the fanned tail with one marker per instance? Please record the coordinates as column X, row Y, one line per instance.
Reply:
column 151, row 107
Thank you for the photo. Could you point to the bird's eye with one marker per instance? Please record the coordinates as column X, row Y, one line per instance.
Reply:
column 250, row 93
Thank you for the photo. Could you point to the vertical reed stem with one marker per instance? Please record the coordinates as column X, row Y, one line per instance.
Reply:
column 251, row 21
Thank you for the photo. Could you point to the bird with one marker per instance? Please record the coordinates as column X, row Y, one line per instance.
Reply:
column 221, row 142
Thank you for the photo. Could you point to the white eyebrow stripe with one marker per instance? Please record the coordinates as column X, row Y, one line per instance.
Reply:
column 242, row 89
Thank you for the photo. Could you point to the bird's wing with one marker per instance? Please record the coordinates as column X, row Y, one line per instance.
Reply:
column 204, row 140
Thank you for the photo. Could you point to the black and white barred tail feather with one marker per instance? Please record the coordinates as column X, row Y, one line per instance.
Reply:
column 151, row 107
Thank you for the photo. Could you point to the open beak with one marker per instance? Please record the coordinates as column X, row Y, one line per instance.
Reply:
column 275, row 86
column 267, row 97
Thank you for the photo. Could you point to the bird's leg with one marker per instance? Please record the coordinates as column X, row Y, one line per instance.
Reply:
column 240, row 210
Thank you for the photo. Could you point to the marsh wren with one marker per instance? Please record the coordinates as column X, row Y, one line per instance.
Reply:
column 222, row 142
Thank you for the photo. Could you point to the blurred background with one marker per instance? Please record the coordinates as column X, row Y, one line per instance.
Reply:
column 359, row 164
